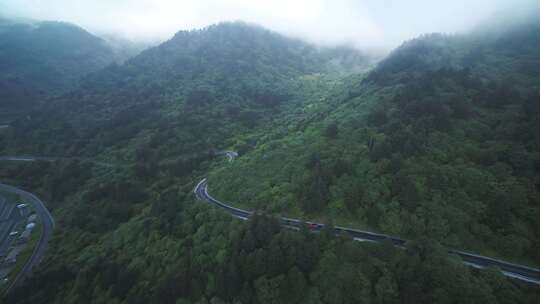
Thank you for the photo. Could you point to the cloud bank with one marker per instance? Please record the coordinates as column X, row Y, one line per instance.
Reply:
column 376, row 24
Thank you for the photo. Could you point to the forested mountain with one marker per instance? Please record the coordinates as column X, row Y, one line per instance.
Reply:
column 43, row 59
column 227, row 78
column 488, row 54
column 426, row 146
column 430, row 143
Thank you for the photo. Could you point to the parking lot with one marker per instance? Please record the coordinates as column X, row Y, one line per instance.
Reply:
column 16, row 225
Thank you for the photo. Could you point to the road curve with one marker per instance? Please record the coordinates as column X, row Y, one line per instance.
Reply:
column 231, row 155
column 520, row 272
column 48, row 226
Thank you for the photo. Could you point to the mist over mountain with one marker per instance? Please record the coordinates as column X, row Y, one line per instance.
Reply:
column 240, row 72
column 41, row 59
column 45, row 59
column 432, row 148
column 486, row 52
column 367, row 24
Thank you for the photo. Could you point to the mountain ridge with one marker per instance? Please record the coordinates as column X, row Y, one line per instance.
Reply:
column 436, row 153
column 46, row 59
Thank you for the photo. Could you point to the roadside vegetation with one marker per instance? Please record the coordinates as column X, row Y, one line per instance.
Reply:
column 444, row 156
column 447, row 154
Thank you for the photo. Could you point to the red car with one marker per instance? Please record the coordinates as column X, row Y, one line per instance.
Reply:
column 313, row 226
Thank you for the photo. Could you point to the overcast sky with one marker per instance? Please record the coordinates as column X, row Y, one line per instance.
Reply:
column 364, row 23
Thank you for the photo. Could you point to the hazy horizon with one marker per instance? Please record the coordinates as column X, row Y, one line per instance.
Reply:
column 370, row 24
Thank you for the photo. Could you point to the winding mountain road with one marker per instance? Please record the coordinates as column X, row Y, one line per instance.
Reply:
column 520, row 272
column 231, row 155
column 48, row 226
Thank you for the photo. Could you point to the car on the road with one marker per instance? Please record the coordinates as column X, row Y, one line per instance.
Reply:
column 20, row 206
column 12, row 233
column 314, row 226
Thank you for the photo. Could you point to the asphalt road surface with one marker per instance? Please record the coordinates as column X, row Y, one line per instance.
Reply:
column 48, row 226
column 520, row 272
column 231, row 155
column 30, row 158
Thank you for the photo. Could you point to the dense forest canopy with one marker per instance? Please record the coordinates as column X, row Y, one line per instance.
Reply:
column 431, row 147
column 436, row 144
column 44, row 59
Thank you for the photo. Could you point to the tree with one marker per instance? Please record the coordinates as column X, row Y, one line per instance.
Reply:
column 386, row 289
column 295, row 286
column 332, row 130
column 268, row 290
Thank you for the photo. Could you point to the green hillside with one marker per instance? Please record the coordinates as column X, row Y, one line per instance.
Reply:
column 40, row 60
column 424, row 146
